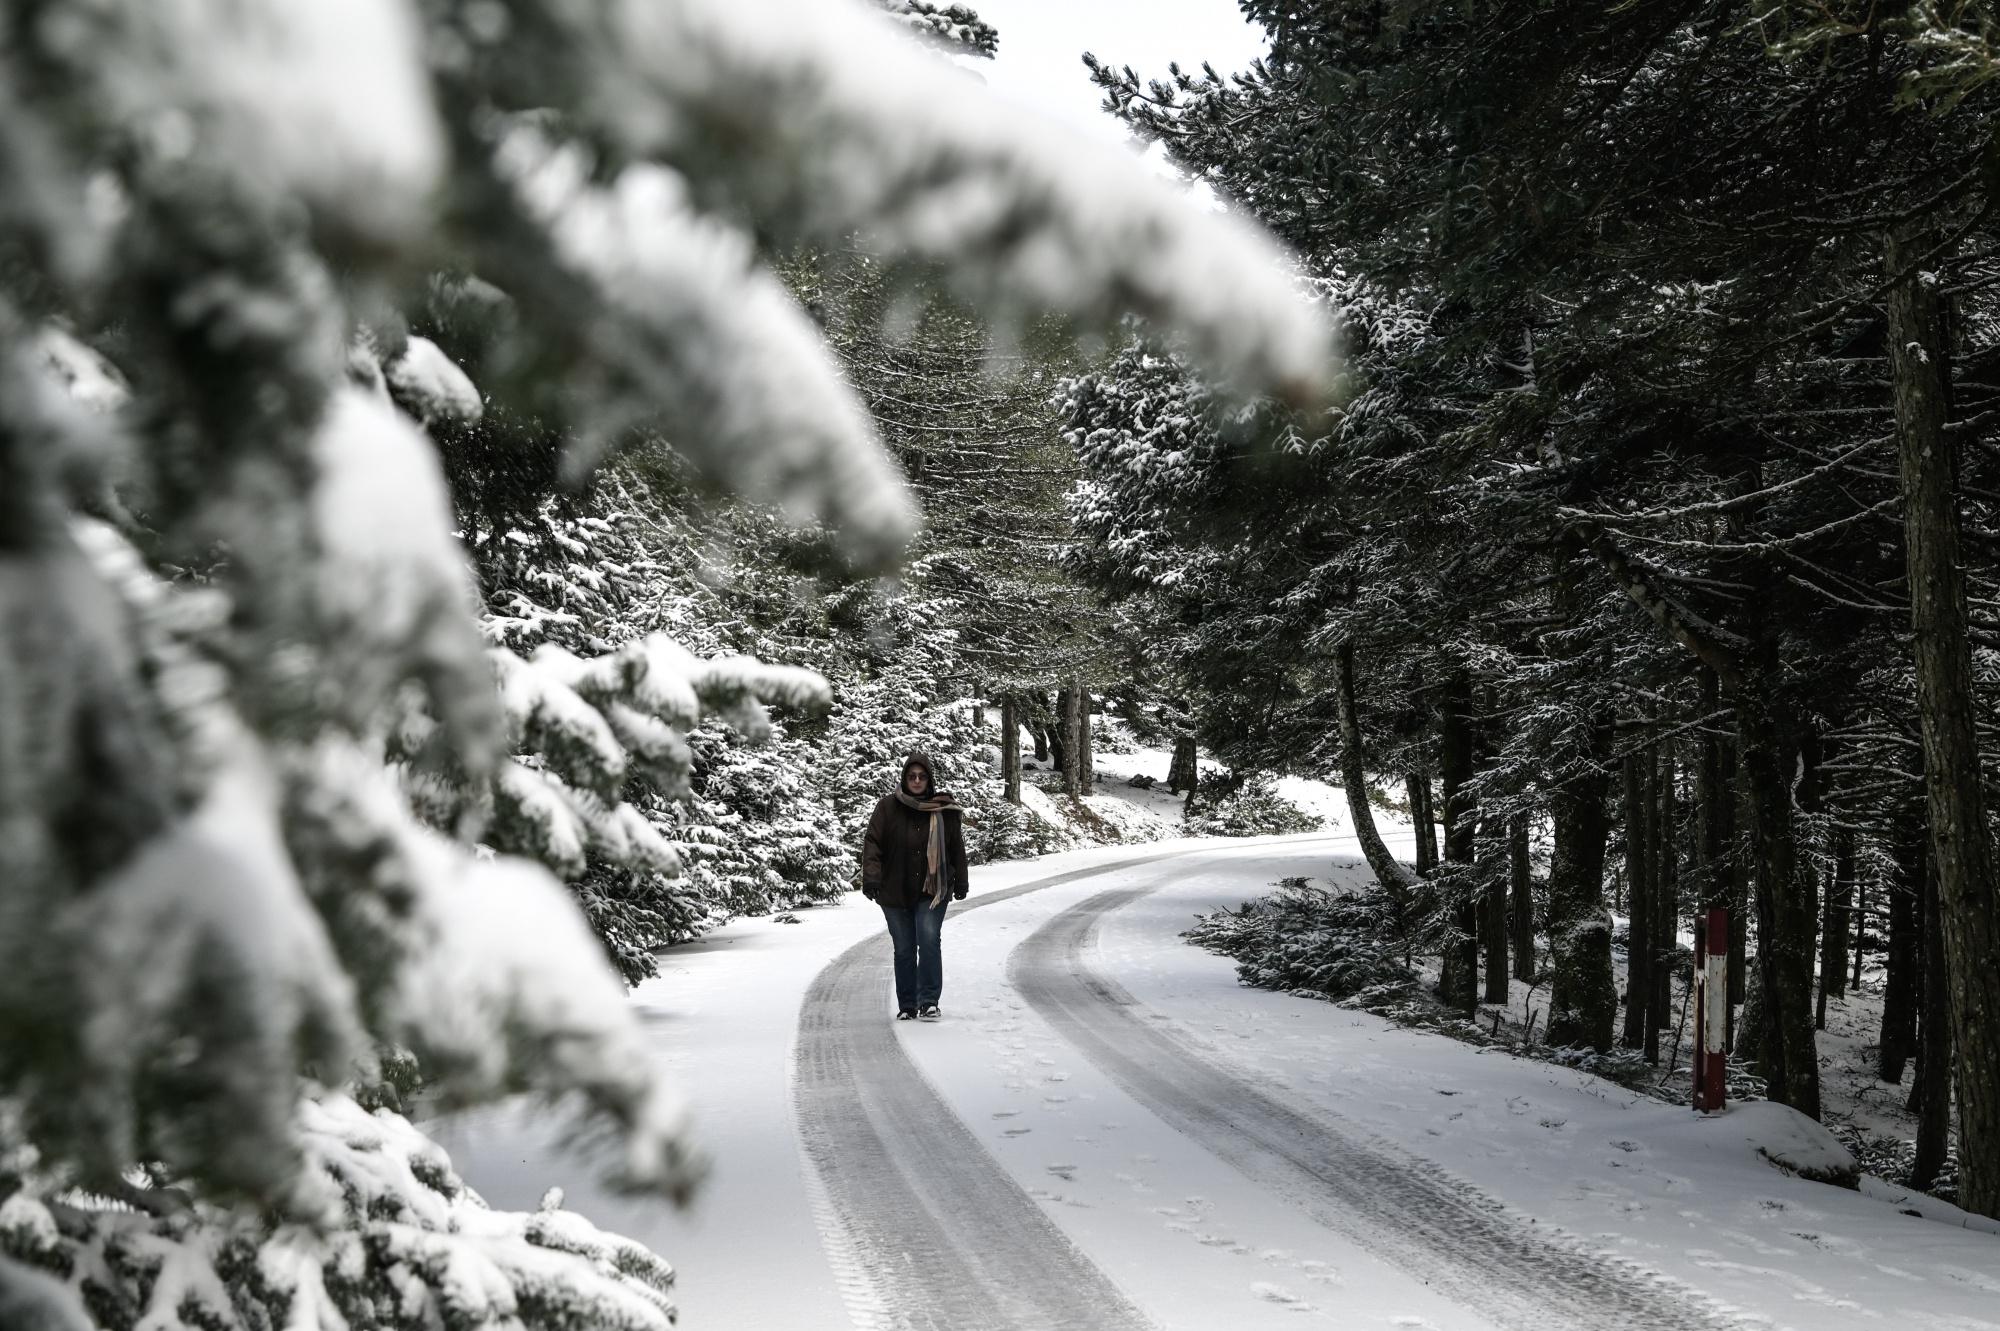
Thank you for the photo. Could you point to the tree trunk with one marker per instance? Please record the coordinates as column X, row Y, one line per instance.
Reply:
column 1418, row 788
column 1041, row 734
column 1860, row 931
column 1785, row 917
column 1714, row 803
column 1960, row 852
column 1739, row 873
column 1010, row 748
column 1458, row 980
column 1748, row 1042
column 1638, row 912
column 1583, row 997
column 1833, row 936
column 1495, row 928
column 1521, row 871
column 1903, row 964
column 1931, row 1097
column 1396, row 880
column 1072, row 724
column 1185, row 772
column 1086, row 765
column 1666, row 862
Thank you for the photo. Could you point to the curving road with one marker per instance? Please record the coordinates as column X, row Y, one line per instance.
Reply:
column 1384, row 1200
column 928, row 1231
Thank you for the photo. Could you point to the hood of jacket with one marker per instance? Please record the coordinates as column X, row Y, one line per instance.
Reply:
column 923, row 760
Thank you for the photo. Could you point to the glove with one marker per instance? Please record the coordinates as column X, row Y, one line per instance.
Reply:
column 958, row 895
column 870, row 889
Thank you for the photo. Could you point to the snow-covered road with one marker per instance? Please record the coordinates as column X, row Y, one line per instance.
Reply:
column 1107, row 1131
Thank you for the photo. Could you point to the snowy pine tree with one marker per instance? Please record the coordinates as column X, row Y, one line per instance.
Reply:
column 251, row 740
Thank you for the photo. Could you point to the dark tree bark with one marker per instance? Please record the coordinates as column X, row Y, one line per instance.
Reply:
column 1786, row 907
column 1903, row 964
column 1666, row 861
column 1739, row 874
column 1715, row 801
column 1638, row 881
column 1748, row 1039
column 1583, row 995
column 1185, row 772
column 1086, row 765
column 1931, row 1097
column 1071, row 757
column 1010, row 748
column 1494, row 931
column 1860, row 919
column 1583, row 999
column 1418, row 788
column 1396, row 879
column 1961, row 855
column 1833, row 936
column 1520, row 871
column 1458, row 981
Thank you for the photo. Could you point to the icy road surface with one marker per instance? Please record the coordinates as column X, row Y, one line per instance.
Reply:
column 1106, row 1131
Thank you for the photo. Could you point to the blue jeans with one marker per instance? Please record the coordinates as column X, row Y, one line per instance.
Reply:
column 915, row 931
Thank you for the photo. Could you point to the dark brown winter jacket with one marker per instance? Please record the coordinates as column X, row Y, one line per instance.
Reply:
column 892, row 854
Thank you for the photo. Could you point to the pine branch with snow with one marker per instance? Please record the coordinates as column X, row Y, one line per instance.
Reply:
column 250, row 731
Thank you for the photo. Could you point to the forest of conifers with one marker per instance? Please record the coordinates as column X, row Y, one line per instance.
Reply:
column 1651, row 542
column 1662, row 514
column 573, row 465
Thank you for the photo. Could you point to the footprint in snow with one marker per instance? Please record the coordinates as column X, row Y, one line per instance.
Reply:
column 1016, row 1132
column 1279, row 1294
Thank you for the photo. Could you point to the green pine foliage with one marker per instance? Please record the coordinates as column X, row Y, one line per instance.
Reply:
column 1301, row 938
column 1618, row 487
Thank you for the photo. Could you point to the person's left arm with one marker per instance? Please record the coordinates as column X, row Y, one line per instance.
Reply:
column 954, row 852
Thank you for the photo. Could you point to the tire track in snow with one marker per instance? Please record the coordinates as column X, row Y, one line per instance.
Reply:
column 1401, row 1208
column 926, row 1231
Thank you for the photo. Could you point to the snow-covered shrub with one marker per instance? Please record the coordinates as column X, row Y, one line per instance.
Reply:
column 380, row 1234
column 1250, row 807
column 1304, row 938
column 1891, row 1158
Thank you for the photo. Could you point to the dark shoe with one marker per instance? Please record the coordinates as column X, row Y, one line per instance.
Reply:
column 907, row 1014
column 928, row 1012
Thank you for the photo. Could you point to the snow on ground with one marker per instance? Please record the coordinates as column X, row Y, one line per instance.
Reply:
column 1682, row 1194
column 1193, row 1243
column 721, row 1017
column 1118, row 759
column 1191, row 1240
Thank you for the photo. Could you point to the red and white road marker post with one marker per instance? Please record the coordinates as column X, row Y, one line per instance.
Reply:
column 1711, row 1008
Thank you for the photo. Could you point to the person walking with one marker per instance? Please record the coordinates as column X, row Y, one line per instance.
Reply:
column 913, row 867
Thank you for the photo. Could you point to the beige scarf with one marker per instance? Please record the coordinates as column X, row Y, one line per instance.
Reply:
column 937, row 874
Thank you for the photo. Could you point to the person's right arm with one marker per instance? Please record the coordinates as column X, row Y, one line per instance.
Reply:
column 871, row 854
